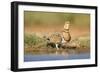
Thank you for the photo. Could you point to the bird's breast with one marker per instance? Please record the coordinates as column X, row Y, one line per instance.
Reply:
column 66, row 36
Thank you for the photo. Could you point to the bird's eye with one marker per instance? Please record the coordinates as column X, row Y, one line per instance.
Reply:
column 48, row 39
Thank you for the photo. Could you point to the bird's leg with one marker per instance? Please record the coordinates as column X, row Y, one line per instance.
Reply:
column 57, row 46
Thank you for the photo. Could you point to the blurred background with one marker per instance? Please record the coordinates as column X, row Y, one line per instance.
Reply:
column 55, row 19
column 48, row 22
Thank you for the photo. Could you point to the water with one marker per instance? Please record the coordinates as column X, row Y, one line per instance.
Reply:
column 51, row 57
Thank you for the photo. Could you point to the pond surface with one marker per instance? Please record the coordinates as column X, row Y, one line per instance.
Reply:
column 51, row 57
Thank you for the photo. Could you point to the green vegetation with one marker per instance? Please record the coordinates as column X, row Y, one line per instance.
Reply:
column 33, row 41
column 84, row 42
column 36, row 45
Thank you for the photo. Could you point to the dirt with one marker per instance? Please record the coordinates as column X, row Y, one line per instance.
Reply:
column 74, row 31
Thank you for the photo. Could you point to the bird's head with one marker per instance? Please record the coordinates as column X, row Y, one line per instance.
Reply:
column 66, row 26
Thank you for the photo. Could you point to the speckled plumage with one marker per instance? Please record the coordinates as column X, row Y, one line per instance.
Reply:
column 55, row 39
